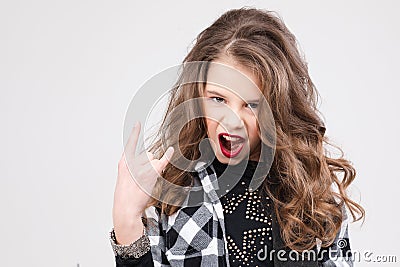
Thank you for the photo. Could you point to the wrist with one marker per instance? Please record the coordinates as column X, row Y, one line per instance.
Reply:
column 127, row 231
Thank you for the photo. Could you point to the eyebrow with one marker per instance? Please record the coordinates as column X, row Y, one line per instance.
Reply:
column 214, row 93
column 221, row 95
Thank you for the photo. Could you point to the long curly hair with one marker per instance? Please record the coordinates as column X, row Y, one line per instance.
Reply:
column 306, row 204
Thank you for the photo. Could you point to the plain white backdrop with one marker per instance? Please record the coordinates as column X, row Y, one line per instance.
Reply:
column 68, row 70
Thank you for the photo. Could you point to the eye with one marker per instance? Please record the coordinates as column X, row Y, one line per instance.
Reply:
column 252, row 105
column 217, row 99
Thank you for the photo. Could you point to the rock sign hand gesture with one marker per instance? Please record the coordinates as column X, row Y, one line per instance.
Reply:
column 137, row 175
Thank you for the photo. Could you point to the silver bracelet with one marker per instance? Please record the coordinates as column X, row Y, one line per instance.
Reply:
column 136, row 249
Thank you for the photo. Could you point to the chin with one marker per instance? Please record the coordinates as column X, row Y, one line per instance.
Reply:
column 230, row 161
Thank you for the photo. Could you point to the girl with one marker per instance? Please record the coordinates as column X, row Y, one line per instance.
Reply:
column 268, row 194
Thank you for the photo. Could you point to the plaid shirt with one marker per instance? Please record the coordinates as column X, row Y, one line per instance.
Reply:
column 195, row 236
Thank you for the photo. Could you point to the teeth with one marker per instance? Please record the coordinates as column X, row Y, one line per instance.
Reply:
column 230, row 138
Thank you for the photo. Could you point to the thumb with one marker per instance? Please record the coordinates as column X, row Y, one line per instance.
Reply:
column 166, row 158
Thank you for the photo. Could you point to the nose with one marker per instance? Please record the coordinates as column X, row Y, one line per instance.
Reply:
column 231, row 119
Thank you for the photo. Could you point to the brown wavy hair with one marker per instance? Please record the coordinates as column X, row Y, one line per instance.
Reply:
column 304, row 174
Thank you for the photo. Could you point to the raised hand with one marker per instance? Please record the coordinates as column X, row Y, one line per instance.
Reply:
column 137, row 175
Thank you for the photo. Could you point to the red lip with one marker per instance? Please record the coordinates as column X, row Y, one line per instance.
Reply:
column 228, row 153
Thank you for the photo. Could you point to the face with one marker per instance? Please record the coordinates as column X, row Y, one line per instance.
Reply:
column 231, row 110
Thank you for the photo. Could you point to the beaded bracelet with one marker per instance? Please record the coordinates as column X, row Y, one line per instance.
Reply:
column 136, row 249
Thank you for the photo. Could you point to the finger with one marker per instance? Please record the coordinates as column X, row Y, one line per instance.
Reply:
column 166, row 158
column 131, row 145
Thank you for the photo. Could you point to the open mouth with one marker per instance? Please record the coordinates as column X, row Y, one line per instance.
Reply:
column 231, row 145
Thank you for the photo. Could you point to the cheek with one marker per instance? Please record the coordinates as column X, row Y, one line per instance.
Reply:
column 212, row 113
column 209, row 115
column 253, row 132
column 211, row 126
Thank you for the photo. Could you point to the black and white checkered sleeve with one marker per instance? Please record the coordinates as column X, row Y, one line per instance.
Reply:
column 157, row 237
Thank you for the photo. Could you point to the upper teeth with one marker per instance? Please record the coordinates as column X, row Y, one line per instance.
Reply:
column 230, row 138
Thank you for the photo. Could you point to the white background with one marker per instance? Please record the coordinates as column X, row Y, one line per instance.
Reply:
column 68, row 70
